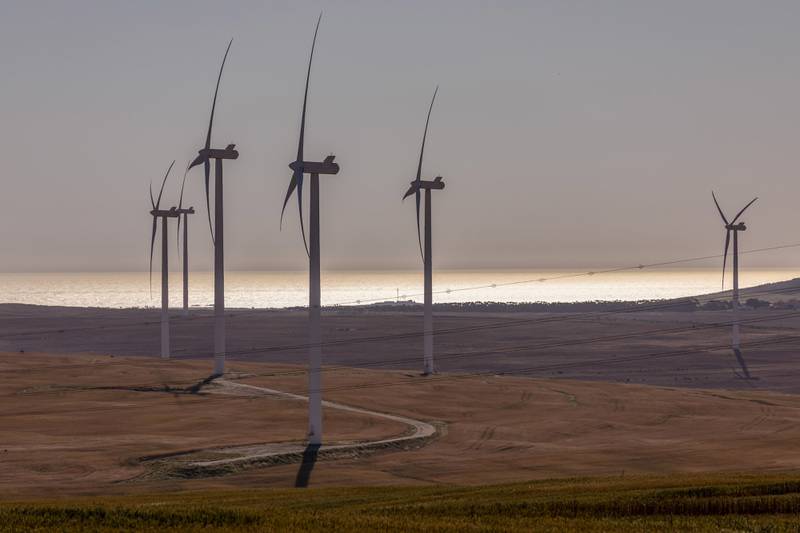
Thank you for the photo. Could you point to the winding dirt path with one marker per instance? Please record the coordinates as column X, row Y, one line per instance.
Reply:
column 223, row 460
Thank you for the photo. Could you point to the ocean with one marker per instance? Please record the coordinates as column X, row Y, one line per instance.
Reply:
column 290, row 289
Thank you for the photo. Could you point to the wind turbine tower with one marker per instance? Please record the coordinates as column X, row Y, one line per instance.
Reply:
column 416, row 187
column 733, row 228
column 184, row 212
column 183, row 216
column 205, row 155
column 300, row 167
column 164, row 215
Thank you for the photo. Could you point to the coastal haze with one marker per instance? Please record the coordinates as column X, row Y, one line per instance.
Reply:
column 352, row 288
column 571, row 327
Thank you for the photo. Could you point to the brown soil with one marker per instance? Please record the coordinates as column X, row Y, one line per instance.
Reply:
column 80, row 424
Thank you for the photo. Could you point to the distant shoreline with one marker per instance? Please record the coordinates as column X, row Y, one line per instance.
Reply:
column 780, row 295
column 501, row 292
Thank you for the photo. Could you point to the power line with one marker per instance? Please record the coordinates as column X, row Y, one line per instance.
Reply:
column 554, row 278
column 549, row 345
column 639, row 308
column 180, row 319
column 657, row 306
column 573, row 275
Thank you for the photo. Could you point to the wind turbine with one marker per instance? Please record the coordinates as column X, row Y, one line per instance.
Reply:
column 164, row 215
column 300, row 167
column 733, row 228
column 416, row 187
column 205, row 155
column 184, row 216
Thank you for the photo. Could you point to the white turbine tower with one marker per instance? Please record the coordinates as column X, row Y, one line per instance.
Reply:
column 205, row 155
column 416, row 186
column 733, row 228
column 164, row 215
column 184, row 217
column 300, row 167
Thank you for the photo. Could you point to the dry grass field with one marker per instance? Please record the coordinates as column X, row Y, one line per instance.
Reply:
column 92, row 441
column 82, row 424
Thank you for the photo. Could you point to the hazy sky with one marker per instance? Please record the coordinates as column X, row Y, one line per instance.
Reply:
column 569, row 134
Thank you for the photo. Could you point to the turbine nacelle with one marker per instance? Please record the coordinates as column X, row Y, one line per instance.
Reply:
column 184, row 210
column 205, row 154
column 435, row 184
column 170, row 213
column 316, row 167
column 736, row 227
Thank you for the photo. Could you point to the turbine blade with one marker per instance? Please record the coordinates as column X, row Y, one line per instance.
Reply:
column 178, row 236
column 725, row 256
column 216, row 91
column 719, row 208
column 425, row 135
column 163, row 182
column 152, row 246
column 419, row 233
column 300, row 208
column 743, row 210
column 410, row 190
column 292, row 187
column 305, row 95
column 183, row 185
column 152, row 200
column 180, row 206
column 207, row 167
column 196, row 161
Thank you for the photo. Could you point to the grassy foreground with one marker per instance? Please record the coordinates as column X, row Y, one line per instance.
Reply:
column 693, row 503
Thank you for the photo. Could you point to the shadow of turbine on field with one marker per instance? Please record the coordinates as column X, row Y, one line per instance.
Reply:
column 197, row 387
column 307, row 465
column 743, row 364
